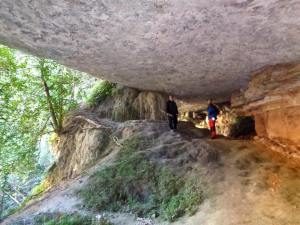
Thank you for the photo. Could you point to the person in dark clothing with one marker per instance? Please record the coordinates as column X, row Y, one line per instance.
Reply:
column 172, row 112
column 212, row 113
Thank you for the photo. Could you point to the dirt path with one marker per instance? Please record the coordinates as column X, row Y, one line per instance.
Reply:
column 247, row 188
column 251, row 189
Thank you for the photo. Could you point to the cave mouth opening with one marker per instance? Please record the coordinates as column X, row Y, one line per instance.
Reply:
column 228, row 124
column 244, row 127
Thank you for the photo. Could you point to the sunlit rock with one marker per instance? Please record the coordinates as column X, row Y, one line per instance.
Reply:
column 273, row 97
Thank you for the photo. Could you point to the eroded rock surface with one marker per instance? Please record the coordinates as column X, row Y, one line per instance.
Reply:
column 245, row 185
column 88, row 138
column 273, row 97
column 189, row 48
column 130, row 103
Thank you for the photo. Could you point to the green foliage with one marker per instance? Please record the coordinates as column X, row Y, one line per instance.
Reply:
column 69, row 219
column 100, row 92
column 24, row 106
column 27, row 111
column 59, row 90
column 137, row 185
column 119, row 182
column 185, row 201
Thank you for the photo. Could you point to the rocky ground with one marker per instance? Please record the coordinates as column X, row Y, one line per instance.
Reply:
column 245, row 184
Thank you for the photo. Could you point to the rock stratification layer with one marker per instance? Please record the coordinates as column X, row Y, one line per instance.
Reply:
column 189, row 48
column 273, row 97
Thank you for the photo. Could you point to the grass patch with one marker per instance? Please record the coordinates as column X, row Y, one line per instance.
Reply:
column 135, row 184
column 185, row 201
column 69, row 219
column 100, row 91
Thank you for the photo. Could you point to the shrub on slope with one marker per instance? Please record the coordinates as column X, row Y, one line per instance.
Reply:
column 136, row 184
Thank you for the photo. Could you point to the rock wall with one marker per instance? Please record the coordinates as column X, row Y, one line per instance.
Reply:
column 273, row 98
column 226, row 119
column 88, row 132
column 80, row 145
column 87, row 139
column 129, row 103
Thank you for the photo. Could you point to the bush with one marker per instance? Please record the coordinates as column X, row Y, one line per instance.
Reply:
column 135, row 184
column 100, row 91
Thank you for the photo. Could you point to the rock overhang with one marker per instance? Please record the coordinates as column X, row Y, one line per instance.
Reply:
column 195, row 48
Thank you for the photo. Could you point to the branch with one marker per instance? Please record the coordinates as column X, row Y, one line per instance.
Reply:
column 12, row 198
column 96, row 125
column 16, row 190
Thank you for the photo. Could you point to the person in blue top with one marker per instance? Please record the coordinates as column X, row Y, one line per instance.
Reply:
column 212, row 113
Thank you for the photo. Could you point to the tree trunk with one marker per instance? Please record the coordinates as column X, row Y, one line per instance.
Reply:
column 57, row 127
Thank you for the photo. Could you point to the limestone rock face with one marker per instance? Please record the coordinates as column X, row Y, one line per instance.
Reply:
column 150, row 105
column 88, row 133
column 88, row 139
column 80, row 146
column 197, row 48
column 129, row 103
column 273, row 97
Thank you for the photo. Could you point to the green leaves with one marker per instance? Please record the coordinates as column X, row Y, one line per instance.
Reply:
column 100, row 92
column 7, row 60
column 24, row 106
column 14, row 114
column 25, row 112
